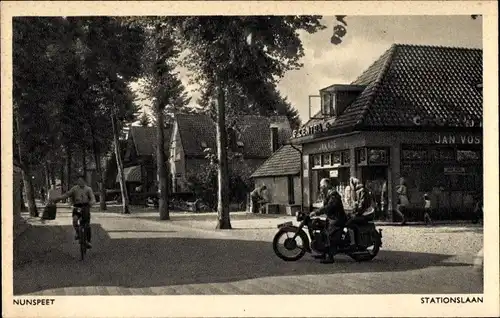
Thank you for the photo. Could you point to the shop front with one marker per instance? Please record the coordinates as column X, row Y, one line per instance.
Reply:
column 447, row 166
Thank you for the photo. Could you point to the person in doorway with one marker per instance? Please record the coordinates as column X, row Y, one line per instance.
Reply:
column 257, row 197
column 335, row 216
column 403, row 201
column 427, row 209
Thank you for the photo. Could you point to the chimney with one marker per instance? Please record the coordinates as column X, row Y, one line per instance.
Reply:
column 274, row 139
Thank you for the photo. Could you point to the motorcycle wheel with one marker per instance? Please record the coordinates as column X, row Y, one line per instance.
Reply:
column 290, row 244
column 370, row 253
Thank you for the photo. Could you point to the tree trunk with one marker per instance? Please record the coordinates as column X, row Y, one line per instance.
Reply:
column 30, row 192
column 69, row 159
column 51, row 173
column 62, row 177
column 119, row 165
column 84, row 164
column 223, row 220
column 27, row 181
column 161, row 168
column 47, row 175
column 23, row 205
column 100, row 175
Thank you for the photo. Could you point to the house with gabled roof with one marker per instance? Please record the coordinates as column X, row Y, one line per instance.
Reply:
column 280, row 173
column 139, row 160
column 416, row 114
column 251, row 140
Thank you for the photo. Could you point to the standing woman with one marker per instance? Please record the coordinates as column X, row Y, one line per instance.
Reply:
column 384, row 199
column 403, row 201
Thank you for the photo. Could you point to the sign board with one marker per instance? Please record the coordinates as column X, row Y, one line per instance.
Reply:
column 305, row 174
column 320, row 127
column 334, row 173
column 454, row 170
column 447, row 139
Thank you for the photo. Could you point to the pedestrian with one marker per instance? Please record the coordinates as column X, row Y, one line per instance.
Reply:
column 403, row 201
column 384, row 198
column 427, row 209
column 257, row 198
column 478, row 208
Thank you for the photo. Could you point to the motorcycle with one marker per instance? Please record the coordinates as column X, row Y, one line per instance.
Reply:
column 360, row 240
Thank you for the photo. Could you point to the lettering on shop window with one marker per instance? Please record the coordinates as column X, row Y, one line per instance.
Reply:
column 327, row 146
column 458, row 139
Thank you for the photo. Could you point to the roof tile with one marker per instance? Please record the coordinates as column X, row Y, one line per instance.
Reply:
column 253, row 131
column 285, row 161
column 145, row 139
column 434, row 83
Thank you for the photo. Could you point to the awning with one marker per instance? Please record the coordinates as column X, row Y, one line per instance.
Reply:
column 132, row 174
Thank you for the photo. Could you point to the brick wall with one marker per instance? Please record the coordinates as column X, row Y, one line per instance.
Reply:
column 278, row 189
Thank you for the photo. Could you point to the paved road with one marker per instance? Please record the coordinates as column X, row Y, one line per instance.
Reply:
column 138, row 255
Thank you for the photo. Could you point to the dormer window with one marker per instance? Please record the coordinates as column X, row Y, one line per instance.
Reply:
column 327, row 100
column 336, row 98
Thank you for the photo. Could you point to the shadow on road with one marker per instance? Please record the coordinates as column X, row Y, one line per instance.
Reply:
column 149, row 262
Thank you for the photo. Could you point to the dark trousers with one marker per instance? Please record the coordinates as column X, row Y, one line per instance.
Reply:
column 255, row 205
column 85, row 217
column 334, row 231
column 356, row 219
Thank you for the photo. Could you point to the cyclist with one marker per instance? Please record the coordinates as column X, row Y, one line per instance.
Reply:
column 83, row 197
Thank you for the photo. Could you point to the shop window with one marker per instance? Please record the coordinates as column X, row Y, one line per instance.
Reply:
column 468, row 155
column 434, row 155
column 336, row 159
column 317, row 161
column 346, row 158
column 414, row 155
column 327, row 160
column 377, row 156
column 361, row 155
column 447, row 154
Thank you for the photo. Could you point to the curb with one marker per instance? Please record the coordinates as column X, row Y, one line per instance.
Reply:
column 435, row 223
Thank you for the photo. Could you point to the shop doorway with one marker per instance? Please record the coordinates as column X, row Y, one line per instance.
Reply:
column 374, row 177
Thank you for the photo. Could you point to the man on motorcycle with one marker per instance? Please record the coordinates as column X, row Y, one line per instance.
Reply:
column 335, row 217
column 81, row 196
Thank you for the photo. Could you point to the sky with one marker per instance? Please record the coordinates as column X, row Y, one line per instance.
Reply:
column 367, row 38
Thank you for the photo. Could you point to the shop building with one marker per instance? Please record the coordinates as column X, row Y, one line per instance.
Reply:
column 415, row 113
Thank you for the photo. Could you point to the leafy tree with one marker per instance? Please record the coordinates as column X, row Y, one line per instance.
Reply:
column 163, row 87
column 144, row 120
column 113, row 54
column 38, row 88
column 243, row 54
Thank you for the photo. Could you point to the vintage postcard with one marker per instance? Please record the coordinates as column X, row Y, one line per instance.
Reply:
column 250, row 159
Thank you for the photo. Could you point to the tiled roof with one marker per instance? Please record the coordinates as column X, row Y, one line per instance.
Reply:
column 253, row 131
column 285, row 161
column 435, row 83
column 145, row 138
column 131, row 174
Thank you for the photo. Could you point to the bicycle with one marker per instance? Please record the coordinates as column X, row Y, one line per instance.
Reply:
column 82, row 233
